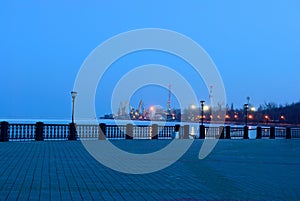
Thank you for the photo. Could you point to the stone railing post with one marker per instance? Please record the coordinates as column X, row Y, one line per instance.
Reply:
column 72, row 132
column 39, row 131
column 272, row 132
column 221, row 132
column 154, row 134
column 288, row 133
column 4, row 131
column 176, row 132
column 228, row 130
column 258, row 132
column 129, row 132
column 102, row 131
column 186, row 131
column 246, row 132
column 202, row 132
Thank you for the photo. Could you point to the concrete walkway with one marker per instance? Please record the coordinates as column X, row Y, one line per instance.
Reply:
column 235, row 170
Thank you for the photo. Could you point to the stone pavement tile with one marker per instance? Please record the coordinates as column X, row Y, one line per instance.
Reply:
column 127, row 196
column 24, row 194
column 75, row 195
column 45, row 195
column 136, row 195
column 86, row 195
column 154, row 195
column 106, row 195
column 96, row 195
column 65, row 195
column 4, row 194
column 13, row 195
column 55, row 195
column 34, row 195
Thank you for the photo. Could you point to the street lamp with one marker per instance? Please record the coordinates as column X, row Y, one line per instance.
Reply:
column 248, row 100
column 202, row 127
column 246, row 106
column 72, row 127
column 267, row 118
column 202, row 111
column 73, row 94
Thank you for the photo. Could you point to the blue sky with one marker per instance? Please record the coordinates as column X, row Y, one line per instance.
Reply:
column 254, row 44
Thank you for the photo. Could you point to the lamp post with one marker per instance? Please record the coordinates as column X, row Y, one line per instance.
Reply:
column 248, row 100
column 246, row 131
column 73, row 94
column 202, row 111
column 72, row 127
column 202, row 127
column 246, row 106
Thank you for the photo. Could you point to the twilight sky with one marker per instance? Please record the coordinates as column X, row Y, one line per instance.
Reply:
column 254, row 44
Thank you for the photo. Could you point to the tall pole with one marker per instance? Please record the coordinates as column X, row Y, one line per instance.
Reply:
column 73, row 101
column 246, row 129
column 246, row 113
column 202, row 111
column 72, row 127
column 202, row 127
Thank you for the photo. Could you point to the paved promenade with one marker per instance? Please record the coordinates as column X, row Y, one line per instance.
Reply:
column 235, row 170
